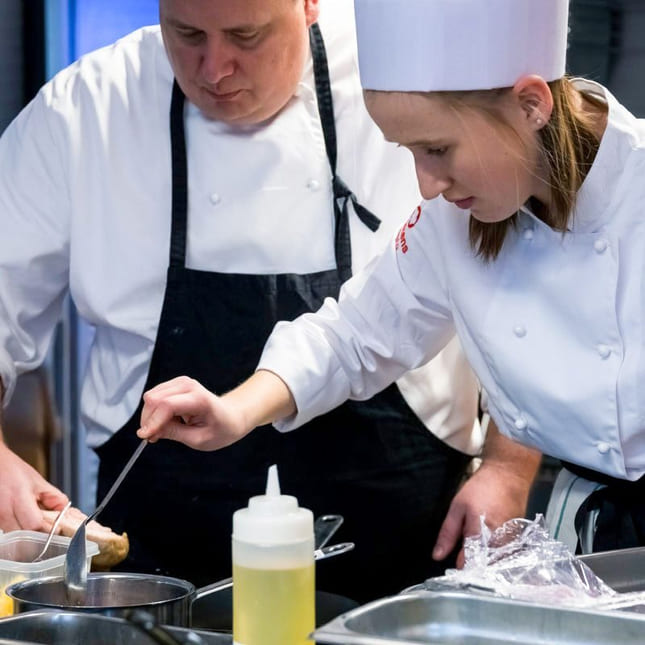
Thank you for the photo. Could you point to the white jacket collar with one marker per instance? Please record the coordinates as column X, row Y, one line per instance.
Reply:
column 599, row 188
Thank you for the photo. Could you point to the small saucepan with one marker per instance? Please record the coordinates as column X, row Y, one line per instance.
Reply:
column 169, row 600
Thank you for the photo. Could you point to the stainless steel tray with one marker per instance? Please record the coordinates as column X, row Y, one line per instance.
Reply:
column 451, row 618
column 76, row 628
column 622, row 570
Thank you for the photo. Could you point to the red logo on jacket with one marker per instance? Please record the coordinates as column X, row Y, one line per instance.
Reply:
column 414, row 218
column 401, row 242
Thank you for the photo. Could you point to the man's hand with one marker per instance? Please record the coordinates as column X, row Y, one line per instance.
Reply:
column 23, row 493
column 499, row 490
column 185, row 411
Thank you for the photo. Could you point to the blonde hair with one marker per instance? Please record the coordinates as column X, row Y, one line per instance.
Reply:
column 568, row 145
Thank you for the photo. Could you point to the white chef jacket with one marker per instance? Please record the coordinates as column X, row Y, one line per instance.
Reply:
column 554, row 327
column 85, row 196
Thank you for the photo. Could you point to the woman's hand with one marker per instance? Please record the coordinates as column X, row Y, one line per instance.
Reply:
column 185, row 411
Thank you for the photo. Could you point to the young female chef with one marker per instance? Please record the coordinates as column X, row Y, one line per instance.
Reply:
column 534, row 254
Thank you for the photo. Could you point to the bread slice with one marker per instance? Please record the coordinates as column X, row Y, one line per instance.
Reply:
column 113, row 548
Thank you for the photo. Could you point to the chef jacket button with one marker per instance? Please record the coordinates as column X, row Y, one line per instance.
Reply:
column 603, row 447
column 215, row 198
column 604, row 351
column 528, row 234
column 313, row 184
column 519, row 331
column 520, row 423
column 600, row 245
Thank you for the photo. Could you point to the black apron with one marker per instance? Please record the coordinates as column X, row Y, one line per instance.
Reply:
column 373, row 462
column 620, row 523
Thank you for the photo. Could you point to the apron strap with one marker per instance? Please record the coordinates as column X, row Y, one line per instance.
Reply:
column 323, row 94
column 598, row 511
column 342, row 194
column 179, row 179
column 563, row 520
column 617, row 507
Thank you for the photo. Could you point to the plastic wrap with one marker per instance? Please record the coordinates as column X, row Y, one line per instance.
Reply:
column 520, row 560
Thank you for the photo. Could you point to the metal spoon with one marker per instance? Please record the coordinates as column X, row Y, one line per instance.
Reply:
column 76, row 558
column 52, row 532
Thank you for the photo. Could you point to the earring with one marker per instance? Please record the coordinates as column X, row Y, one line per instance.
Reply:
column 538, row 121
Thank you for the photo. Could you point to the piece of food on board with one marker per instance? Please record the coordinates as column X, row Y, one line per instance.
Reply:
column 113, row 548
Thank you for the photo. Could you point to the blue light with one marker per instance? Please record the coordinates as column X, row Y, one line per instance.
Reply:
column 100, row 22
column 76, row 27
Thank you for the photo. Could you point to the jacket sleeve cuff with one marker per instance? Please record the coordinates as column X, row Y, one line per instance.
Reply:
column 298, row 364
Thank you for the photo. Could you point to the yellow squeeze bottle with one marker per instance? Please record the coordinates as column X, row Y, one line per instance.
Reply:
column 273, row 570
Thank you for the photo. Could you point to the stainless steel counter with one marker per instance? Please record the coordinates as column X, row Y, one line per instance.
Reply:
column 622, row 570
column 452, row 618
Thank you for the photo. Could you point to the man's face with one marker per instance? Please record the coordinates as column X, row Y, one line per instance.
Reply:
column 238, row 61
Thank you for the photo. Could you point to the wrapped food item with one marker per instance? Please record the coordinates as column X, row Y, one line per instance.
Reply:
column 520, row 560
column 113, row 548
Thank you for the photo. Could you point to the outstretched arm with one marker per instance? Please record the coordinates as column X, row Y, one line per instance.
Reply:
column 499, row 490
column 185, row 411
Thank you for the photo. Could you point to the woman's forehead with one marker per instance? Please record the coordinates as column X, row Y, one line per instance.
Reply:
column 405, row 105
column 408, row 117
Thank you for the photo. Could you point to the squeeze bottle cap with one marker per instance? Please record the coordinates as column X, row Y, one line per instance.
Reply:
column 273, row 518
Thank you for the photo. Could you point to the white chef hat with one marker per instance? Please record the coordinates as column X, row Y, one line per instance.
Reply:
column 436, row 45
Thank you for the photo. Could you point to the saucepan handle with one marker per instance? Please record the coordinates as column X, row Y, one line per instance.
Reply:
column 324, row 528
column 333, row 550
column 148, row 624
column 220, row 585
column 319, row 554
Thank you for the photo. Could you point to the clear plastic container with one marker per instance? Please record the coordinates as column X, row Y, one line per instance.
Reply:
column 17, row 552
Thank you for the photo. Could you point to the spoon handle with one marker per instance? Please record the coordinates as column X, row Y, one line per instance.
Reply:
column 52, row 532
column 119, row 479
